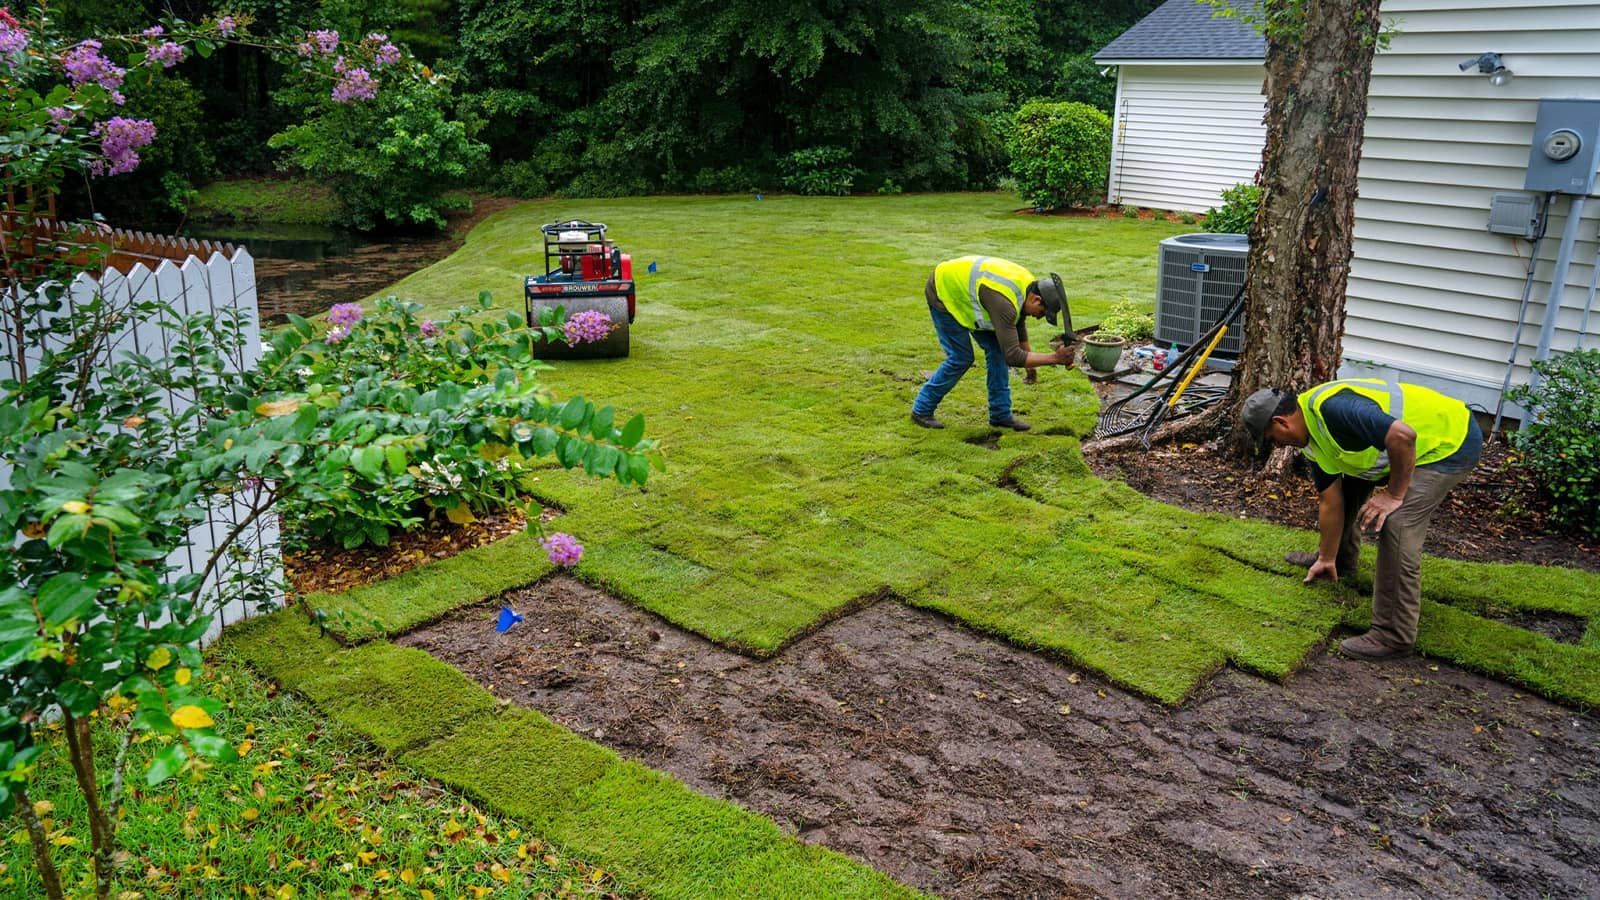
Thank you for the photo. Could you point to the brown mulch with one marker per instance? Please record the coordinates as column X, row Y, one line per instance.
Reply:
column 329, row 569
column 1497, row 515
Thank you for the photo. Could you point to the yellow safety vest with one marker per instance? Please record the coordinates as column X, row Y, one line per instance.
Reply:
column 957, row 282
column 1440, row 422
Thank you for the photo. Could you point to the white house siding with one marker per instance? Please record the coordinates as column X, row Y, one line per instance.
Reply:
column 1183, row 133
column 1433, row 295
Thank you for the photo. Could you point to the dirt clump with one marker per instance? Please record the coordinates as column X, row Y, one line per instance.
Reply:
column 970, row 768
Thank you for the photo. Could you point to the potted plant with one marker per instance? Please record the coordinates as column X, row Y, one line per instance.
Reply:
column 1103, row 349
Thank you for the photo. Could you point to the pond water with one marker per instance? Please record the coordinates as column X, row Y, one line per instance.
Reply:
column 304, row 269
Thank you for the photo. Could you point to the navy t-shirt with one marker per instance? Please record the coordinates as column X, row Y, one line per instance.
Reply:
column 1358, row 423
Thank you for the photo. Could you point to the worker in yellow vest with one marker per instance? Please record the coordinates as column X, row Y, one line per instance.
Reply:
column 985, row 298
column 1356, row 433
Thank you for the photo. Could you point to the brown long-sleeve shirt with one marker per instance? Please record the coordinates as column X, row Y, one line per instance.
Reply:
column 1009, row 327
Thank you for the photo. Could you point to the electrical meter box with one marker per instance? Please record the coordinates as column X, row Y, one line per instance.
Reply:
column 1566, row 147
column 1515, row 214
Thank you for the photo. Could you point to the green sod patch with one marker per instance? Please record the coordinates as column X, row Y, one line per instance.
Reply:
column 655, row 835
column 776, row 354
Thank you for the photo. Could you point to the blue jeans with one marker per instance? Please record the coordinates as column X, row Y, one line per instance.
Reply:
column 956, row 339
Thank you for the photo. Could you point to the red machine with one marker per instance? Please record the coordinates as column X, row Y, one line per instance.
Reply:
column 580, row 261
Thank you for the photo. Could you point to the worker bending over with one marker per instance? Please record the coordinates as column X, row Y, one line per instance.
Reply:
column 1358, row 432
column 987, row 298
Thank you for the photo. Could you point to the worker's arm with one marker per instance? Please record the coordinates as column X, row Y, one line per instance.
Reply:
column 1401, row 444
column 1330, row 528
column 1012, row 344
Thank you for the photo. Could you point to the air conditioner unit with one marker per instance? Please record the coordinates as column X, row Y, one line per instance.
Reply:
column 1196, row 278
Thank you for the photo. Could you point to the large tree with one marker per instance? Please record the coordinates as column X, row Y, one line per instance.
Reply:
column 1318, row 67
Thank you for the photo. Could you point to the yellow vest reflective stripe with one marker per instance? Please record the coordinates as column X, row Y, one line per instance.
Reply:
column 957, row 282
column 1440, row 422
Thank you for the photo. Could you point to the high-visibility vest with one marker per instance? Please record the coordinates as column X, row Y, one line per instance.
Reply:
column 957, row 282
column 1440, row 422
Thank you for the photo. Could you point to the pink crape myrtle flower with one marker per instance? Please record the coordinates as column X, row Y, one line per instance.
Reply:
column 355, row 83
column 384, row 53
column 563, row 549
column 13, row 39
column 587, row 327
column 84, row 64
column 430, row 328
column 227, row 25
column 59, row 117
column 336, row 334
column 324, row 40
column 119, row 139
column 344, row 314
column 167, row 53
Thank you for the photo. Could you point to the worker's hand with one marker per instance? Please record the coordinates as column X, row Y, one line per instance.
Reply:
column 1322, row 568
column 1377, row 509
column 1031, row 376
column 1065, row 354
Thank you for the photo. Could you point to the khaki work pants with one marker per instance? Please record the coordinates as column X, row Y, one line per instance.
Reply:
column 1397, row 588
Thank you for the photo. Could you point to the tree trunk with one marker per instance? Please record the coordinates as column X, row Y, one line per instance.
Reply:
column 1318, row 67
column 42, row 860
column 102, row 834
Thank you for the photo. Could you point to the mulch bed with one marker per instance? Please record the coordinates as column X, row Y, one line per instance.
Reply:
column 1498, row 514
column 329, row 569
column 972, row 768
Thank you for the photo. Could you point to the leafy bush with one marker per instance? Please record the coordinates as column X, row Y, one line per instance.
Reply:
column 1129, row 321
column 1060, row 153
column 1130, row 212
column 1187, row 218
column 523, row 178
column 819, row 172
column 391, row 160
column 1562, row 443
column 1238, row 210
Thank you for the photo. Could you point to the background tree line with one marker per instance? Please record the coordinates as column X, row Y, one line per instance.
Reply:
column 610, row 97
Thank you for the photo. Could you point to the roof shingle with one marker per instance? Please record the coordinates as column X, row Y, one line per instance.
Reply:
column 1185, row 29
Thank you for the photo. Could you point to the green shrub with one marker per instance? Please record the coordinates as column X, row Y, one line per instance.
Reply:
column 819, row 172
column 1130, row 212
column 523, row 178
column 1187, row 218
column 1129, row 321
column 1159, row 215
column 391, row 160
column 1060, row 153
column 1238, row 210
column 1562, row 442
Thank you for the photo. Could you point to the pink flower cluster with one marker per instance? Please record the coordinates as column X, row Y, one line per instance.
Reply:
column 59, row 117
column 85, row 64
column 13, row 39
column 227, row 25
column 345, row 314
column 384, row 53
column 119, row 139
column 563, row 549
column 586, row 327
column 167, row 53
column 430, row 328
column 355, row 83
column 323, row 41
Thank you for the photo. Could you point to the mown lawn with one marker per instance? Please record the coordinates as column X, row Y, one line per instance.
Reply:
column 776, row 354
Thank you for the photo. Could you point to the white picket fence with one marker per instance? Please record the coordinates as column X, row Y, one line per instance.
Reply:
column 194, row 286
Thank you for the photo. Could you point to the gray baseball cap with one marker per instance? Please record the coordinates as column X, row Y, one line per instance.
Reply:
column 1054, row 296
column 1258, row 410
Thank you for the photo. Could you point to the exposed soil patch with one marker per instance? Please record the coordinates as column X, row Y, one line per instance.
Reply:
column 1496, row 515
column 971, row 768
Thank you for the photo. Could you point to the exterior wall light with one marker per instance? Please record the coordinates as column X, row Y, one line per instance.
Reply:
column 1491, row 65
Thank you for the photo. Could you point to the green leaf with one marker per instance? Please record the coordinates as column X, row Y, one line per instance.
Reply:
column 601, row 426
column 639, row 468
column 396, row 457
column 632, row 432
column 368, row 461
column 572, row 413
column 214, row 748
column 166, row 763
column 65, row 597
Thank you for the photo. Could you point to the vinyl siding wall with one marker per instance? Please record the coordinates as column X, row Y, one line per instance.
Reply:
column 1433, row 295
column 1183, row 133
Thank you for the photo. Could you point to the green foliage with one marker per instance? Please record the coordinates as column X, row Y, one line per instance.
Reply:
column 1561, row 443
column 1060, row 153
column 1237, row 215
column 257, row 820
column 819, row 171
column 391, row 160
column 164, row 184
column 1132, row 321
column 1130, row 212
column 786, row 505
column 284, row 201
column 1187, row 218
column 520, row 179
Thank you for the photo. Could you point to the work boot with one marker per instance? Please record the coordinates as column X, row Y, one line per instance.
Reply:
column 1369, row 647
column 1011, row 422
column 926, row 421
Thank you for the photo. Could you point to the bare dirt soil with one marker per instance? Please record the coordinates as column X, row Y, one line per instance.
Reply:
column 970, row 768
column 1498, row 514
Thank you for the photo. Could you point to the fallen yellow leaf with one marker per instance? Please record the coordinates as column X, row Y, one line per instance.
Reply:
column 191, row 717
column 42, row 808
column 246, row 747
column 499, row 873
column 250, row 814
column 426, row 894
column 408, row 876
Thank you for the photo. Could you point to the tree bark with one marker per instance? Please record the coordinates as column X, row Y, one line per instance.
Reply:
column 102, row 835
column 42, row 859
column 1318, row 68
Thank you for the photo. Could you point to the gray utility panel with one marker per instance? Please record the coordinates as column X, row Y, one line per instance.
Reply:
column 1566, row 147
column 1196, row 278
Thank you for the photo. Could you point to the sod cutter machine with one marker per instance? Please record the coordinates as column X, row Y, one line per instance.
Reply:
column 583, row 270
